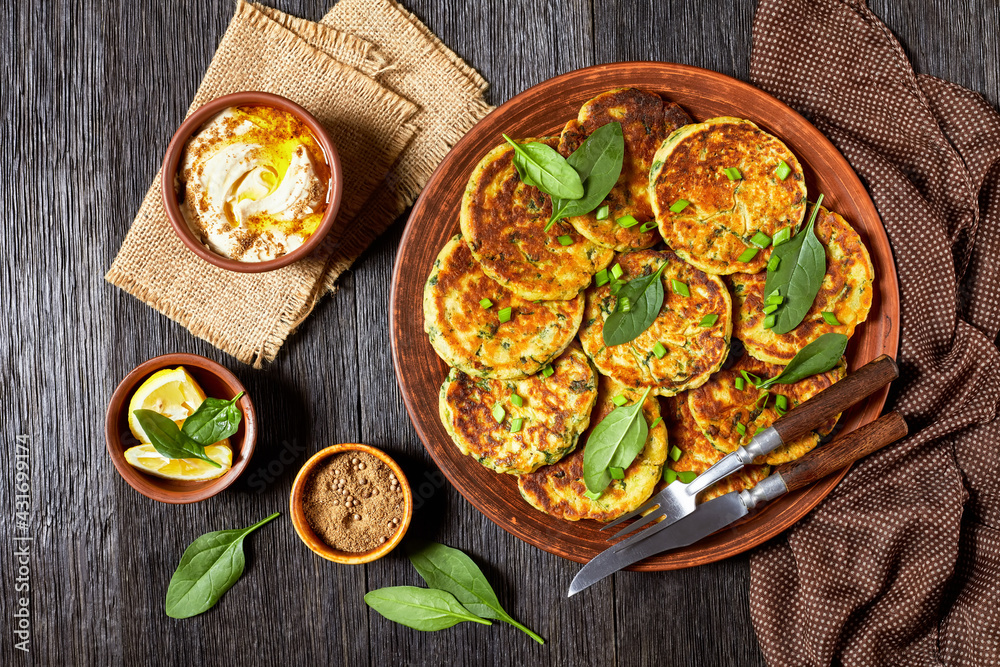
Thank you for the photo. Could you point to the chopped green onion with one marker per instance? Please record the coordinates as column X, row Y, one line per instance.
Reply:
column 516, row 424
column 590, row 494
column 619, row 400
column 516, row 400
column 733, row 173
column 565, row 240
column 679, row 205
column 741, row 429
column 603, row 212
column 675, row 453
column 770, row 308
column 782, row 236
column 740, row 384
column 687, row 476
column 783, row 170
column 627, row 221
column 679, row 288
column 750, row 377
column 772, row 264
column 625, row 305
column 669, row 475
column 761, row 240
column 769, row 321
column 659, row 350
column 616, row 473
column 775, row 298
column 616, row 271
column 655, row 423
column 504, row 314
column 748, row 254
column 830, row 318
column 616, row 286
column 761, row 402
column 757, row 430
column 548, row 371
column 602, row 277
column 499, row 413
column 709, row 320
column 781, row 401
column 485, row 303
column 648, row 226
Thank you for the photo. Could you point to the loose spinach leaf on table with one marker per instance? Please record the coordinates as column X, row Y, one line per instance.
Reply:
column 817, row 357
column 169, row 440
column 615, row 442
column 645, row 298
column 425, row 609
column 542, row 167
column 453, row 571
column 598, row 161
column 799, row 276
column 208, row 568
column 214, row 420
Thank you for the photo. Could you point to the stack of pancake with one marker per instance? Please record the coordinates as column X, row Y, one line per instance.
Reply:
column 516, row 312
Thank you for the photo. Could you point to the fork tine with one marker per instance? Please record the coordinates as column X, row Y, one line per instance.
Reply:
column 649, row 518
column 651, row 504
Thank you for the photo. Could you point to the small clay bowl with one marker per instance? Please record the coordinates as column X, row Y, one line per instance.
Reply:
column 172, row 159
column 313, row 541
column 217, row 382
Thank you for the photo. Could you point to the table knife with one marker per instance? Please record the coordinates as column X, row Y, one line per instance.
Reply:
column 720, row 512
column 678, row 499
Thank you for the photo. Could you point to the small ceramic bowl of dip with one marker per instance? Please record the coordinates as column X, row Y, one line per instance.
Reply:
column 217, row 382
column 203, row 134
column 304, row 491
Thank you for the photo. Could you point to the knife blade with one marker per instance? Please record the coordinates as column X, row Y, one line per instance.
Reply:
column 720, row 512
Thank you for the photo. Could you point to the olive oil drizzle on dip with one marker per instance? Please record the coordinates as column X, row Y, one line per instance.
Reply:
column 254, row 183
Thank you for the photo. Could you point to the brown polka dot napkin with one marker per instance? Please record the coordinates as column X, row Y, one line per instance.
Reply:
column 900, row 565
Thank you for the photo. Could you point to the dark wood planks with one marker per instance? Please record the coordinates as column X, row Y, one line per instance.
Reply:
column 91, row 93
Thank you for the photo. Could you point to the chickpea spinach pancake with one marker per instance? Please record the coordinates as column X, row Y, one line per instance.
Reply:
column 843, row 302
column 559, row 489
column 503, row 220
column 721, row 190
column 646, row 119
column 517, row 426
column 483, row 329
column 684, row 345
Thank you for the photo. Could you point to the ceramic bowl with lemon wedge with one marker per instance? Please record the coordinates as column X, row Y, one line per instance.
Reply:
column 174, row 432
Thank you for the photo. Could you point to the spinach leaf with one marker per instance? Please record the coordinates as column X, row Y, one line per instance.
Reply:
column 799, row 275
column 645, row 298
column 168, row 440
column 214, row 420
column 425, row 609
column 208, row 568
column 598, row 161
column 817, row 357
column 453, row 571
column 615, row 442
column 542, row 166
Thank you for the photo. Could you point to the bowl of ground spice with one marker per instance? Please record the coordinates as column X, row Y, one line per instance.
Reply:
column 351, row 503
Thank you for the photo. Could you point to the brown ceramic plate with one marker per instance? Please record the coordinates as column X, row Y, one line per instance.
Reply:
column 542, row 110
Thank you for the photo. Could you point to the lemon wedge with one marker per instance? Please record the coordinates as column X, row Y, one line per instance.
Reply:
column 173, row 393
column 148, row 460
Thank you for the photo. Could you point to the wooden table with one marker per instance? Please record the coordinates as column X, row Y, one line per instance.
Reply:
column 91, row 93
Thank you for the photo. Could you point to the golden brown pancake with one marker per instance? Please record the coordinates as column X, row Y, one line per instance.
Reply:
column 692, row 352
column 559, row 489
column 723, row 215
column 846, row 292
column 503, row 221
column 473, row 339
column 555, row 410
column 646, row 120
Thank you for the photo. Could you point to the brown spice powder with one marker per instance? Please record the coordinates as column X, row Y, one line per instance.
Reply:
column 353, row 502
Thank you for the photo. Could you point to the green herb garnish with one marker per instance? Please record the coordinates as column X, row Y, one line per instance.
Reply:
column 770, row 308
column 669, row 476
column 565, row 240
column 748, row 254
column 773, row 263
column 504, row 314
column 648, row 226
column 616, row 473
column 783, row 170
column 603, row 212
column 598, row 162
column 601, row 277
column 709, row 320
column 799, row 276
column 485, row 303
column 733, row 173
column 627, row 221
column 498, row 413
column 515, row 424
column 761, row 240
column 616, row 270
column 426, row 609
column 679, row 205
column 675, row 453
column 168, row 440
column 659, row 350
column 516, row 400
column 817, row 357
column 679, row 288
column 619, row 400
column 830, row 318
column 740, row 384
column 615, row 442
column 644, row 296
column 782, row 236
column 547, row 371
column 687, row 476
column 541, row 166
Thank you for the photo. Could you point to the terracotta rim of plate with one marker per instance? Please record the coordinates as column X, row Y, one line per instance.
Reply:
column 313, row 541
column 175, row 150
column 171, row 491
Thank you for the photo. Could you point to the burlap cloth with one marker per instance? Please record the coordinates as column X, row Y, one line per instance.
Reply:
column 900, row 565
column 394, row 100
